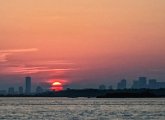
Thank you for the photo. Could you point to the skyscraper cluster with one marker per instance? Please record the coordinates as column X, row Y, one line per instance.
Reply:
column 11, row 90
column 21, row 90
column 141, row 83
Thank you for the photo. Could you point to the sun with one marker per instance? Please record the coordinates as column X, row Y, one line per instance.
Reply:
column 57, row 84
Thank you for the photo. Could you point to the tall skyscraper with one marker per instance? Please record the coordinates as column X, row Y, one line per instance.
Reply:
column 28, row 85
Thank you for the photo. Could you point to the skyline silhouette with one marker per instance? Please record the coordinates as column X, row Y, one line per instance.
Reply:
column 30, row 89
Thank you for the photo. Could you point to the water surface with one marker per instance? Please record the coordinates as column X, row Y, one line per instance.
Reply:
column 82, row 109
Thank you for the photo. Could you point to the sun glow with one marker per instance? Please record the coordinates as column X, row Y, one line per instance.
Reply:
column 57, row 86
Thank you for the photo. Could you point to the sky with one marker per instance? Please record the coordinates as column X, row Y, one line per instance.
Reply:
column 81, row 43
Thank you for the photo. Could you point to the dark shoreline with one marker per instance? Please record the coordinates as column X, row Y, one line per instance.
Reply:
column 96, row 93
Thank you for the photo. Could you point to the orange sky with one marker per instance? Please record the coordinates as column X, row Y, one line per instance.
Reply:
column 82, row 40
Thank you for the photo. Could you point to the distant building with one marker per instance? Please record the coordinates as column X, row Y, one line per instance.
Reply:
column 28, row 85
column 152, row 84
column 39, row 90
column 20, row 90
column 135, row 84
column 122, row 84
column 140, row 83
column 11, row 91
column 102, row 87
column 160, row 85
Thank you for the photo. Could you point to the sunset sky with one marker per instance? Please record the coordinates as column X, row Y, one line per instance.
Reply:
column 81, row 43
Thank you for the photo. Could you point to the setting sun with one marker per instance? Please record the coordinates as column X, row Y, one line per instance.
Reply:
column 57, row 86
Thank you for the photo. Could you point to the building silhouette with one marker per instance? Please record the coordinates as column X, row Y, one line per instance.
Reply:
column 11, row 91
column 122, row 84
column 140, row 83
column 20, row 90
column 27, row 85
column 153, row 84
column 135, row 84
column 160, row 85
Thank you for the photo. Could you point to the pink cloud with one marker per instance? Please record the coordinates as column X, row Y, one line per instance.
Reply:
column 5, row 53
column 32, row 70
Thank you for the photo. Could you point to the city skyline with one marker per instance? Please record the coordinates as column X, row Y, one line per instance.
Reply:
column 30, row 89
column 81, row 44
